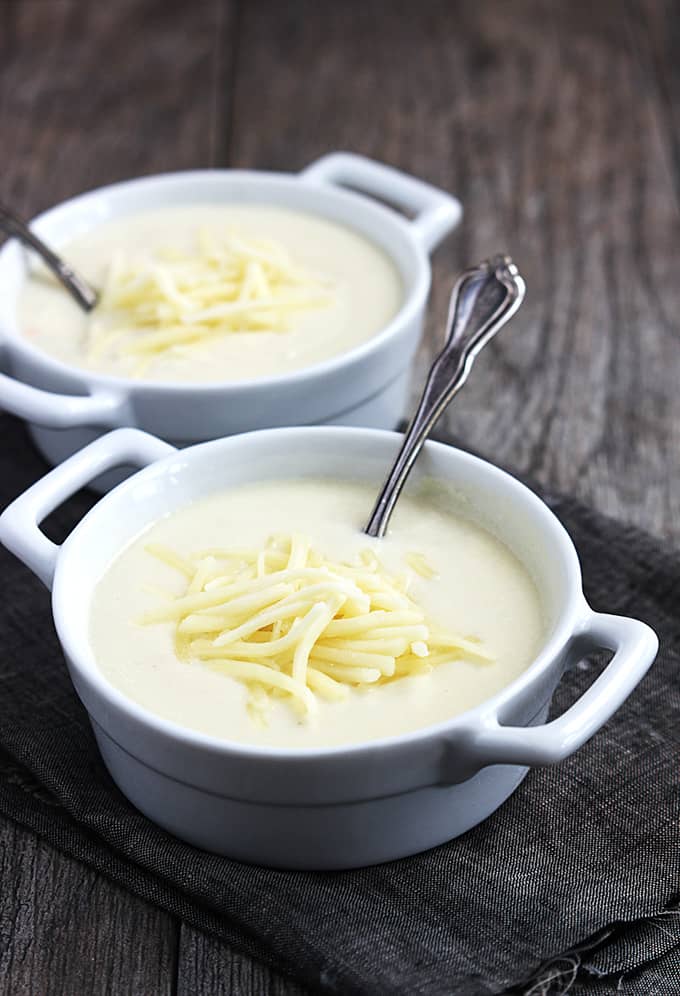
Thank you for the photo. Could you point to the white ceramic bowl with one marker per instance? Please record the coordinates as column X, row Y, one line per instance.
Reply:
column 368, row 385
column 339, row 807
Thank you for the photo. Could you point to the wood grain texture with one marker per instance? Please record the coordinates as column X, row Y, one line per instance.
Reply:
column 91, row 93
column 207, row 965
column 540, row 116
column 66, row 929
column 654, row 27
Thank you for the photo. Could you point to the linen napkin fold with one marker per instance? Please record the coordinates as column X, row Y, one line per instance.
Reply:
column 574, row 882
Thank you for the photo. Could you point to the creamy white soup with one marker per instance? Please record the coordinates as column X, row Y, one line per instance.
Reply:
column 214, row 292
column 470, row 588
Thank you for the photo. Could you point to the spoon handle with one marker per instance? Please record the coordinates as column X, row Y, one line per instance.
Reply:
column 484, row 298
column 85, row 295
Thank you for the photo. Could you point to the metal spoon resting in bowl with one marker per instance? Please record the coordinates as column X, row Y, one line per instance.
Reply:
column 484, row 298
column 80, row 290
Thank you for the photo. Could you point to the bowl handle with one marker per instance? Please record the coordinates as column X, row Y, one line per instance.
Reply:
column 20, row 522
column 436, row 212
column 59, row 411
column 634, row 645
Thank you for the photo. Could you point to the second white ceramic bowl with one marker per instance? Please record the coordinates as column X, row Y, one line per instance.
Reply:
column 67, row 407
column 338, row 807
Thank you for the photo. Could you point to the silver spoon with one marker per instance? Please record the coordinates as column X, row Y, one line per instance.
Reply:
column 484, row 298
column 83, row 293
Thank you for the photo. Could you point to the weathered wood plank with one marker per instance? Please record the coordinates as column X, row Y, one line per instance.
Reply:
column 206, row 965
column 91, row 93
column 654, row 27
column 539, row 117
column 66, row 929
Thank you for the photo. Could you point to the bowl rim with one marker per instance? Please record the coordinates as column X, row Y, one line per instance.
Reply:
column 569, row 619
column 414, row 299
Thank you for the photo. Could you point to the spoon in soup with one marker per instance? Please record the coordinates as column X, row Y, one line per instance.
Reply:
column 484, row 298
column 80, row 290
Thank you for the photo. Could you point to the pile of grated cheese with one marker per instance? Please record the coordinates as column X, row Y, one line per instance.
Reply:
column 288, row 622
column 174, row 301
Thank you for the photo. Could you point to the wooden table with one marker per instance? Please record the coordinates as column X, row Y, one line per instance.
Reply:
column 558, row 126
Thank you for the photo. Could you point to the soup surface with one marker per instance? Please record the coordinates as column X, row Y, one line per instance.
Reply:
column 479, row 589
column 350, row 291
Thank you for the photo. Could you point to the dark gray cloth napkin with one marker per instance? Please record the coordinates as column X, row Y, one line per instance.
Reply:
column 575, row 881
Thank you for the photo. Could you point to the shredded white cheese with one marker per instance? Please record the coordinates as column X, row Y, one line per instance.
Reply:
column 287, row 621
column 176, row 300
